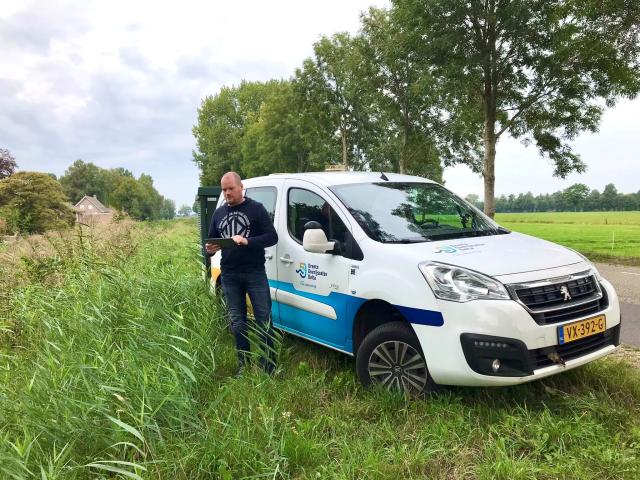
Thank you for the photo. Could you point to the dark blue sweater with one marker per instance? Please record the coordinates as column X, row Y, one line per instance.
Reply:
column 251, row 220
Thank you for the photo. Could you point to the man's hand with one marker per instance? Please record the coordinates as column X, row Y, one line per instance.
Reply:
column 240, row 240
column 211, row 248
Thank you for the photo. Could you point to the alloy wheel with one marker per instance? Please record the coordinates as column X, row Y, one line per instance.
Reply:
column 398, row 367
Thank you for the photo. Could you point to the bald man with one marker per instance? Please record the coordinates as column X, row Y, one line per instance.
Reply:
column 248, row 224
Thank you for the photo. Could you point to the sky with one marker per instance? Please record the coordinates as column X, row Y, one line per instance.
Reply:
column 118, row 83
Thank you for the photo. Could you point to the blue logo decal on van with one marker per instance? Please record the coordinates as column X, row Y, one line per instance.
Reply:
column 446, row 249
column 302, row 271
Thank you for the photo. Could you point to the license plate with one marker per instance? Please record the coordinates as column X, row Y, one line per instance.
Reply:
column 583, row 328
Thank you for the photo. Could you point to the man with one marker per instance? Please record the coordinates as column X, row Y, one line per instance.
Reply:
column 248, row 224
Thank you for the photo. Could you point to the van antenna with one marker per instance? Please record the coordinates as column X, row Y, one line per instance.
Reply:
column 383, row 176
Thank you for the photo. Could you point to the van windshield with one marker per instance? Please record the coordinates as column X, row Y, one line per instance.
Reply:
column 394, row 212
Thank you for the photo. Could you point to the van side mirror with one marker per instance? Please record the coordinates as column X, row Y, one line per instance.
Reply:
column 315, row 241
column 312, row 224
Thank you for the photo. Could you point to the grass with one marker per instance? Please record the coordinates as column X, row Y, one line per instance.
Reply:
column 604, row 236
column 117, row 364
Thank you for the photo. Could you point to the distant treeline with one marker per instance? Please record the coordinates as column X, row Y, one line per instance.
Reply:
column 576, row 198
column 34, row 202
column 117, row 188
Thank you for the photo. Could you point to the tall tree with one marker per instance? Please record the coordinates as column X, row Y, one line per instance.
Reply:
column 184, row 211
column 7, row 163
column 221, row 126
column 168, row 209
column 406, row 110
column 151, row 202
column 575, row 196
column 128, row 197
column 332, row 85
column 283, row 137
column 33, row 202
column 539, row 70
column 609, row 197
column 82, row 179
column 593, row 201
column 474, row 199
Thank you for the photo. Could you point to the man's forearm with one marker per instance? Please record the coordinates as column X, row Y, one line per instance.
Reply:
column 265, row 240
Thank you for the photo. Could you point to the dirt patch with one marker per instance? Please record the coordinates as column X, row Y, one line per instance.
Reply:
column 628, row 354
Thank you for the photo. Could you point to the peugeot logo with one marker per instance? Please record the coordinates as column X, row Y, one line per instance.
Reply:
column 564, row 290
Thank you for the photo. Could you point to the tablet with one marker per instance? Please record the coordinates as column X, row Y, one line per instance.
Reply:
column 222, row 242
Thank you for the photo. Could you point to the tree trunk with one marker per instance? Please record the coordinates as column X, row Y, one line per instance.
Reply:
column 344, row 149
column 490, row 92
column 489, row 167
column 402, row 163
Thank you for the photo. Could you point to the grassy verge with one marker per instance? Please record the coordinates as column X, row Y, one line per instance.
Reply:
column 118, row 363
column 604, row 236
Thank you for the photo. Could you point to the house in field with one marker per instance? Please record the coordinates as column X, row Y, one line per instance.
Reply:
column 90, row 211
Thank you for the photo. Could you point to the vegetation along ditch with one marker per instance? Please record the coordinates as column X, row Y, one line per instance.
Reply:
column 115, row 363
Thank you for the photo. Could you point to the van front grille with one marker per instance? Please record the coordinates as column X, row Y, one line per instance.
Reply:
column 560, row 300
column 548, row 296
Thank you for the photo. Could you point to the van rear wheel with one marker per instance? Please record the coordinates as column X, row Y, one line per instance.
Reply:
column 390, row 356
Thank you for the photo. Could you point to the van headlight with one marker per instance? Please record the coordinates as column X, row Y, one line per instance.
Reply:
column 457, row 284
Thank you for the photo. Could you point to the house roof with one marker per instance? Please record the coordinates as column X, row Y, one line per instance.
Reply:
column 95, row 202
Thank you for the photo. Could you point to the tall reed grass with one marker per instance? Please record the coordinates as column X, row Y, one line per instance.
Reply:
column 116, row 363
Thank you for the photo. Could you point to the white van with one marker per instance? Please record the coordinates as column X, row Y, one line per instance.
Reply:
column 423, row 288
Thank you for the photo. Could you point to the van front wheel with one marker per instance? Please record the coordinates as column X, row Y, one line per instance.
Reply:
column 391, row 356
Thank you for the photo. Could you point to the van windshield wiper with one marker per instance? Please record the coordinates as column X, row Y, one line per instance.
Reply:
column 409, row 240
column 492, row 231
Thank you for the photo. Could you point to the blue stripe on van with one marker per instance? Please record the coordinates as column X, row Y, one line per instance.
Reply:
column 352, row 303
column 422, row 317
column 334, row 299
column 320, row 341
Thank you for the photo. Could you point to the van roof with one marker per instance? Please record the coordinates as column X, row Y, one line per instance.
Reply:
column 341, row 178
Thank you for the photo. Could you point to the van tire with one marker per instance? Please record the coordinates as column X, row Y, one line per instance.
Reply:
column 391, row 356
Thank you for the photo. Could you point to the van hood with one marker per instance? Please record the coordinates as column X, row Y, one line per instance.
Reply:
column 497, row 254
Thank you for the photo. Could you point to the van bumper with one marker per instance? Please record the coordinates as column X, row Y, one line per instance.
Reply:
column 474, row 334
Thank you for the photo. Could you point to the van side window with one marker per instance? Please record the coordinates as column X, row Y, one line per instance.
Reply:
column 304, row 206
column 266, row 196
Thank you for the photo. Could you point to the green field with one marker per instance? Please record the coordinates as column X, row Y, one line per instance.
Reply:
column 115, row 362
column 604, row 236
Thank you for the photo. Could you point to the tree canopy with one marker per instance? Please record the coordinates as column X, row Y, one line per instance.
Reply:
column 184, row 211
column 540, row 70
column 427, row 84
column 7, row 163
column 33, row 202
column 82, row 179
column 117, row 188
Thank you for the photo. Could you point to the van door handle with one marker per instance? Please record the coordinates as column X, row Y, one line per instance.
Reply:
column 286, row 260
column 268, row 256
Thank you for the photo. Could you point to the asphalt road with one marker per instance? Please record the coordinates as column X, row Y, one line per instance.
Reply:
column 626, row 281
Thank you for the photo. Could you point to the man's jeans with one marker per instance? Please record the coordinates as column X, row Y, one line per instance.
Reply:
column 236, row 286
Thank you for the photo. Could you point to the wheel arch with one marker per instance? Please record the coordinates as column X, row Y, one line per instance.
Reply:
column 371, row 315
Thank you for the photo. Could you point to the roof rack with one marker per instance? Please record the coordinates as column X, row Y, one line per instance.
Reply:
column 335, row 168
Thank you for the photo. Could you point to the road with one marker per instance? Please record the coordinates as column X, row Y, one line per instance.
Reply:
column 626, row 281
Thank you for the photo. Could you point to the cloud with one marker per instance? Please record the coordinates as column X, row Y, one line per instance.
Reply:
column 132, row 58
column 118, row 83
column 34, row 28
